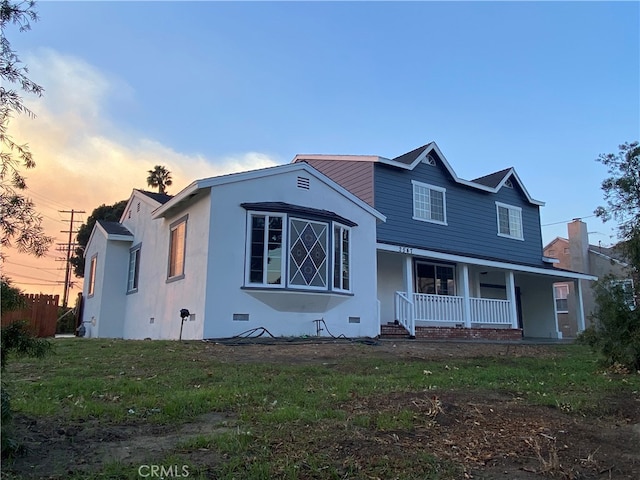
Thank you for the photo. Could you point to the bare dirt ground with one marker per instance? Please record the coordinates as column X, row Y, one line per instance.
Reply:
column 495, row 435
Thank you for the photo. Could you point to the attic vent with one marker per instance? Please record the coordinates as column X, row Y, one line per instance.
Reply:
column 508, row 183
column 430, row 160
column 240, row 317
column 303, row 183
column 138, row 207
column 129, row 214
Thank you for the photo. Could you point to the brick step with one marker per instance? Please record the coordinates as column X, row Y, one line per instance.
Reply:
column 392, row 330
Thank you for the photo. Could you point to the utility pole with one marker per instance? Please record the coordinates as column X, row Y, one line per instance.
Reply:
column 67, row 274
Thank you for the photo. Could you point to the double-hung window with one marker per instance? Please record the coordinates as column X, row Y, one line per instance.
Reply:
column 509, row 221
column 134, row 269
column 177, row 246
column 561, row 291
column 286, row 251
column 429, row 203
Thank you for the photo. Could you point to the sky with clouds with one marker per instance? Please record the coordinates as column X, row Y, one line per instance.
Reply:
column 207, row 88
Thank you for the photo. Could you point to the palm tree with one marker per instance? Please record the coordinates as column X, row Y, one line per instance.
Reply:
column 159, row 177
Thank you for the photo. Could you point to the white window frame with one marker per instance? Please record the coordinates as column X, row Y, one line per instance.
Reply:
column 265, row 258
column 93, row 265
column 415, row 185
column 510, row 209
column 329, row 253
column 556, row 288
column 178, row 274
column 133, row 275
column 338, row 248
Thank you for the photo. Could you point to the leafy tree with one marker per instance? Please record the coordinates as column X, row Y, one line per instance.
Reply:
column 111, row 213
column 159, row 178
column 622, row 194
column 615, row 332
column 20, row 224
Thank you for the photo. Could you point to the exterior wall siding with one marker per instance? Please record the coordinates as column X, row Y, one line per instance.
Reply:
column 471, row 228
column 357, row 177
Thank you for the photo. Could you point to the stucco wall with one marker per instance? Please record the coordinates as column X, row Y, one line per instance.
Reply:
column 153, row 311
column 106, row 307
column 285, row 313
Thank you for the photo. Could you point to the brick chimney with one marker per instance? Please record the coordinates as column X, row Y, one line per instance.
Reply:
column 578, row 246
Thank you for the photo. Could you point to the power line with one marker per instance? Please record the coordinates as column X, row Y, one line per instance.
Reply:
column 565, row 221
column 31, row 278
column 31, row 266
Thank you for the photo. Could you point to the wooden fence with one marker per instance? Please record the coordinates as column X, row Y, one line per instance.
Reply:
column 40, row 312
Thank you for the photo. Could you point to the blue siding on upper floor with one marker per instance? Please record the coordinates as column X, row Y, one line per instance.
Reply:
column 472, row 226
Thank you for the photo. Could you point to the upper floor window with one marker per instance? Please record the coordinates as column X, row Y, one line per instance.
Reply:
column 296, row 252
column 509, row 221
column 429, row 203
column 92, row 275
column 134, row 269
column 561, row 293
column 177, row 246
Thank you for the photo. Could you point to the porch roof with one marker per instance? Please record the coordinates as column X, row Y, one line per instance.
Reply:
column 541, row 269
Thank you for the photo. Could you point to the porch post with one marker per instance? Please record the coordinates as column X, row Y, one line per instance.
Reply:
column 407, row 268
column 466, row 302
column 511, row 296
column 579, row 305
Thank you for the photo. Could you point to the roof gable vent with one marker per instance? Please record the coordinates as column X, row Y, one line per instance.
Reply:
column 303, row 183
column 429, row 160
column 508, row 183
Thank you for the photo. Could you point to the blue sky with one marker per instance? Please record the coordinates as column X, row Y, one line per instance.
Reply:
column 208, row 87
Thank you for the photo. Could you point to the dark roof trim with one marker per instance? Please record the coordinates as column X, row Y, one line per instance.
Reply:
column 307, row 212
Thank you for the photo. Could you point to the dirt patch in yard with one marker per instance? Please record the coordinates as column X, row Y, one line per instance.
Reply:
column 493, row 435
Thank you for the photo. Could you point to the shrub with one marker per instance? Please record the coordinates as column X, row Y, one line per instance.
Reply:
column 616, row 329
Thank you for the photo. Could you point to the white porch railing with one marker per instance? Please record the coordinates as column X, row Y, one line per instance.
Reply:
column 489, row 310
column 448, row 309
column 434, row 308
column 405, row 312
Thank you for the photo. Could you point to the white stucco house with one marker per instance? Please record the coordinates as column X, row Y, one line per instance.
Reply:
column 279, row 248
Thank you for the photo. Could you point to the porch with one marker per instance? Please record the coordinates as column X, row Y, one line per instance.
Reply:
column 430, row 310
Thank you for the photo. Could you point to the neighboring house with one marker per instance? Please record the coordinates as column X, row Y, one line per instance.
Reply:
column 575, row 253
column 284, row 248
column 455, row 258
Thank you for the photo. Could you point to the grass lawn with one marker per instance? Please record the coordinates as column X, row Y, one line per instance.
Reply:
column 120, row 409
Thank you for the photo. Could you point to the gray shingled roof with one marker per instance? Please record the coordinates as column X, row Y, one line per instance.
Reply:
column 161, row 198
column 114, row 228
column 409, row 157
column 493, row 179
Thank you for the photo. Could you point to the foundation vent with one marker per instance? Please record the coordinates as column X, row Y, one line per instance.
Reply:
column 240, row 317
column 354, row 319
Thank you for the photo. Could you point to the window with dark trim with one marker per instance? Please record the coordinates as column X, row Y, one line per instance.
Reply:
column 92, row 275
column 134, row 269
column 435, row 279
column 295, row 252
column 177, row 249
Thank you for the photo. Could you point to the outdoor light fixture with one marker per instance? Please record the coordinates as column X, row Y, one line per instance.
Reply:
column 184, row 314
